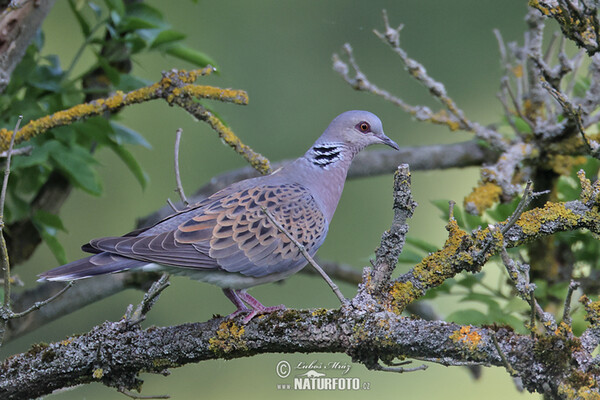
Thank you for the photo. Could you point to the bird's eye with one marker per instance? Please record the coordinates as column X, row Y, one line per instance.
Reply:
column 364, row 127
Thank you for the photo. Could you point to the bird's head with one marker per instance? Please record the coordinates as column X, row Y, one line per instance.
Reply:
column 357, row 129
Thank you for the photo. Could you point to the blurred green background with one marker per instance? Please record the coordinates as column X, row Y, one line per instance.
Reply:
column 280, row 53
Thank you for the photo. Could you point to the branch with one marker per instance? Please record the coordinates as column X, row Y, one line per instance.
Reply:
column 114, row 353
column 470, row 251
column 18, row 26
column 85, row 292
column 577, row 19
column 176, row 87
column 392, row 240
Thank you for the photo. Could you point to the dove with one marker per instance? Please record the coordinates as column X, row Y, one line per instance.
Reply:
column 227, row 239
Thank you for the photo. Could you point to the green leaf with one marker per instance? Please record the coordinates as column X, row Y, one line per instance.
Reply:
column 49, row 219
column 482, row 298
column 48, row 235
column 190, row 55
column 112, row 73
column 38, row 156
column 442, row 205
column 148, row 35
column 96, row 9
column 502, row 211
column 116, row 5
column 521, row 125
column 469, row 280
column 166, row 36
column 444, row 288
column 421, row 244
column 129, row 24
column 48, row 77
column 516, row 304
column 95, row 129
column 469, row 316
column 497, row 316
column 132, row 164
column 473, row 221
column 85, row 27
column 141, row 16
column 77, row 163
column 124, row 135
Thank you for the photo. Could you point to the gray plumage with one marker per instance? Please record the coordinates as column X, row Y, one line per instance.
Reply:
column 227, row 240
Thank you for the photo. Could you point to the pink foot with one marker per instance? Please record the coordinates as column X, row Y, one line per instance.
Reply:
column 239, row 297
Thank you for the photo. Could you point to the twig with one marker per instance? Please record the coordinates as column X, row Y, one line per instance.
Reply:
column 506, row 86
column 26, row 151
column 138, row 397
column 4, row 261
column 570, row 112
column 7, row 167
column 39, row 304
column 519, row 274
column 308, row 257
column 507, row 365
column 454, row 119
column 567, row 309
column 379, row 367
column 525, row 200
column 170, row 203
column 451, row 204
column 137, row 316
column 184, row 199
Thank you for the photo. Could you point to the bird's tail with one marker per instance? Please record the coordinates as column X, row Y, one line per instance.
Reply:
column 98, row 264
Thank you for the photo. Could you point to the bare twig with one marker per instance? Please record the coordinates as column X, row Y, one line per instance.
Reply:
column 570, row 112
column 150, row 298
column 177, row 175
column 519, row 274
column 4, row 261
column 138, row 397
column 454, row 119
column 567, row 309
column 379, row 367
column 26, row 151
column 173, row 207
column 7, row 167
column 525, row 200
column 507, row 365
column 308, row 257
column 39, row 304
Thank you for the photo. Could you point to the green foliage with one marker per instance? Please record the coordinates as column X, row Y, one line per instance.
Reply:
column 114, row 32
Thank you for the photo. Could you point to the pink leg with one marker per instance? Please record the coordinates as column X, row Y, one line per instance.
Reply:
column 238, row 297
column 235, row 299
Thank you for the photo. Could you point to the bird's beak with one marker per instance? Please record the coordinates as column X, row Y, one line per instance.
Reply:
column 386, row 140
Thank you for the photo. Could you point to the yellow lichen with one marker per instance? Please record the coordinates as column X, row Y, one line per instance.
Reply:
column 590, row 392
column 319, row 312
column 531, row 221
column 98, row 373
column 469, row 337
column 563, row 165
column 433, row 270
column 483, row 197
column 228, row 338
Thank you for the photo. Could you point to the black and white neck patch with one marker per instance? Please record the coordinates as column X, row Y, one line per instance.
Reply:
column 324, row 155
